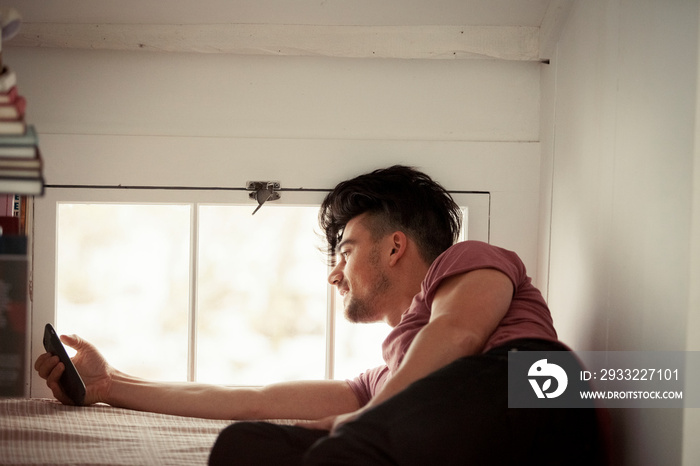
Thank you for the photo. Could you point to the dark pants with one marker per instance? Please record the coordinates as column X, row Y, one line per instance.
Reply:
column 458, row 415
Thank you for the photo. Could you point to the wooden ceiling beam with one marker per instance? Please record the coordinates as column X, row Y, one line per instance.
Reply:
column 401, row 42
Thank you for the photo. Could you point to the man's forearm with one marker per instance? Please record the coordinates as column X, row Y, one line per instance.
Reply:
column 293, row 400
column 180, row 398
column 438, row 344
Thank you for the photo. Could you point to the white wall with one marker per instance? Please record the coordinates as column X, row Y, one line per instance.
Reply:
column 691, row 419
column 618, row 148
column 220, row 95
column 179, row 119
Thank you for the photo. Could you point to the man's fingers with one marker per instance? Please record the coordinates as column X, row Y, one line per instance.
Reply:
column 319, row 424
column 55, row 373
column 50, row 368
column 45, row 364
column 52, row 383
column 41, row 360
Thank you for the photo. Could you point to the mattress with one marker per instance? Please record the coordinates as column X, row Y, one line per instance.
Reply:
column 42, row 431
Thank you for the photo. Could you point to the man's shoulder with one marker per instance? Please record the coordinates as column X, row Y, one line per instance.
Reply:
column 471, row 254
column 474, row 247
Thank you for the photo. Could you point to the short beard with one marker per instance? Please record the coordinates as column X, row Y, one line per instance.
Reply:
column 363, row 310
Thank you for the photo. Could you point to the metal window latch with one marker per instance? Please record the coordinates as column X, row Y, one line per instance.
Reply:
column 263, row 191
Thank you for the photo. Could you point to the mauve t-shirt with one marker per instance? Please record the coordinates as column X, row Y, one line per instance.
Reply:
column 527, row 317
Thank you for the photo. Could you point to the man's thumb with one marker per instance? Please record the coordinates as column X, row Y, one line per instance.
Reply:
column 74, row 341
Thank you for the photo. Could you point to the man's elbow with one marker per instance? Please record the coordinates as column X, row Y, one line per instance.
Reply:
column 464, row 340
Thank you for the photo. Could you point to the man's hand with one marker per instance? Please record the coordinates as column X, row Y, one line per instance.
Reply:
column 332, row 423
column 91, row 366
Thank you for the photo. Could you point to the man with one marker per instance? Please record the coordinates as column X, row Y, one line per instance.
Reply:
column 440, row 399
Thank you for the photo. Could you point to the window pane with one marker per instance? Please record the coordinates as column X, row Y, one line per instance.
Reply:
column 122, row 283
column 358, row 347
column 261, row 295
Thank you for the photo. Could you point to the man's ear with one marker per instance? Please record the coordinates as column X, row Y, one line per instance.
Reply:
column 399, row 243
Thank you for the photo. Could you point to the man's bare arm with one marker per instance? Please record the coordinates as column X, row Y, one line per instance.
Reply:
column 288, row 400
column 293, row 400
column 466, row 310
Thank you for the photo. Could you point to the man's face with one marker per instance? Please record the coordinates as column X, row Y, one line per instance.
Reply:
column 360, row 274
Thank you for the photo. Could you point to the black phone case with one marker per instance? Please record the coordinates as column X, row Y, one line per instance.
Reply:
column 70, row 380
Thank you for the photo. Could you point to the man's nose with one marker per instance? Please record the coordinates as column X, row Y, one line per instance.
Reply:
column 336, row 275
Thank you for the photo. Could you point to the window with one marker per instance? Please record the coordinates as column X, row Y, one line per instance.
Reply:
column 188, row 285
column 261, row 295
column 122, row 283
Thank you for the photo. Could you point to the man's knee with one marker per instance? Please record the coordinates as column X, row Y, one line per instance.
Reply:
column 256, row 443
column 234, row 444
column 355, row 443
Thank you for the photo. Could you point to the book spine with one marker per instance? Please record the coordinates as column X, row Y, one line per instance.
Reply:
column 16, row 205
column 6, row 205
column 13, row 110
column 8, row 79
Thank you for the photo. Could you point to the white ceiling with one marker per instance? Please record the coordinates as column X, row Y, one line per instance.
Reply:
column 505, row 29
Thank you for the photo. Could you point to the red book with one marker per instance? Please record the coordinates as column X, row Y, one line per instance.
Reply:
column 9, row 225
column 9, row 96
column 7, row 206
column 13, row 110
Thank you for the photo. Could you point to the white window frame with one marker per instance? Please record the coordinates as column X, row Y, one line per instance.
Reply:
column 44, row 247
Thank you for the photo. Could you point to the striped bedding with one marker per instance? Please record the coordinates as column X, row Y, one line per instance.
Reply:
column 41, row 431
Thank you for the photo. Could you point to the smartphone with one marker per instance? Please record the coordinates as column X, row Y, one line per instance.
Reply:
column 70, row 381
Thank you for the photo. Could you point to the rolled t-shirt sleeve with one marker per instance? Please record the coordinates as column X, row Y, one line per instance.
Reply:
column 528, row 315
column 472, row 255
column 369, row 383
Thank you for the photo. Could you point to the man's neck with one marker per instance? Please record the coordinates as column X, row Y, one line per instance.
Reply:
column 408, row 286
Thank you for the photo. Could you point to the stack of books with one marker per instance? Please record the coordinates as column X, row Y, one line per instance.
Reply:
column 20, row 176
column 21, row 167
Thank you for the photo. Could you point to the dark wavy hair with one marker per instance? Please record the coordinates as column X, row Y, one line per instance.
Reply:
column 397, row 198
